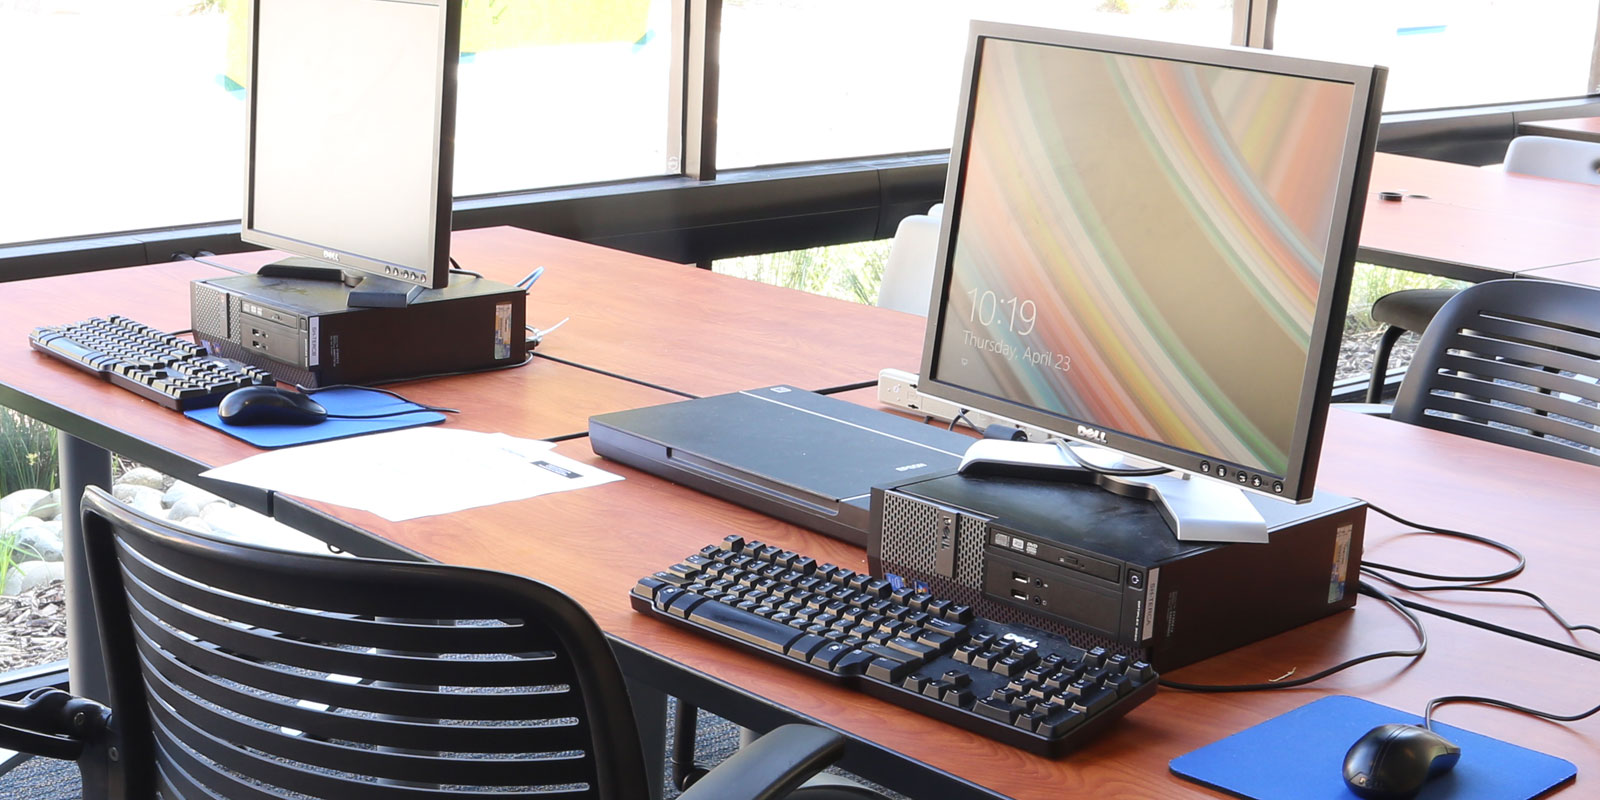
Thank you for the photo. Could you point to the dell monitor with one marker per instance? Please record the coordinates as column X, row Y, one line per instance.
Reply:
column 351, row 138
column 1147, row 246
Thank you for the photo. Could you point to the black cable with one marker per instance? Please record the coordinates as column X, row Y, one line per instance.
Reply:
column 1556, row 615
column 455, row 269
column 849, row 387
column 1365, row 588
column 611, row 374
column 1522, row 561
column 565, row 436
column 1066, row 450
column 1427, row 716
column 961, row 416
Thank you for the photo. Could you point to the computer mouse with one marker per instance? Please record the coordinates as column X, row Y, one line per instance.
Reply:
column 1392, row 762
column 269, row 405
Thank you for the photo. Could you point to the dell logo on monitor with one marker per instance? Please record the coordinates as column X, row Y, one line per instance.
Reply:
column 329, row 255
column 1091, row 433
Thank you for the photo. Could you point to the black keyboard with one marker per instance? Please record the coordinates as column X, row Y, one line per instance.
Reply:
column 1013, row 683
column 170, row 370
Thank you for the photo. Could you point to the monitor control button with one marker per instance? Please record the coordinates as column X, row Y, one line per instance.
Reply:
column 1241, row 476
column 1205, row 466
column 1277, row 486
column 1222, row 472
column 1256, row 481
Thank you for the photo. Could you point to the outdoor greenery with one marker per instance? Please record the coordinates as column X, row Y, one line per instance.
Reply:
column 11, row 554
column 847, row 271
column 1372, row 282
column 27, row 453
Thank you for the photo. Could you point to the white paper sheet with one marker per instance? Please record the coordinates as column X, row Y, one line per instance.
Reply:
column 416, row 472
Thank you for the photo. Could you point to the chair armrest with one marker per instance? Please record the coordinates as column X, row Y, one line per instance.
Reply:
column 1369, row 409
column 51, row 723
column 770, row 767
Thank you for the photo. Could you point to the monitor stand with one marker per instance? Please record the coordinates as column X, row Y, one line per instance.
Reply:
column 1197, row 509
column 366, row 291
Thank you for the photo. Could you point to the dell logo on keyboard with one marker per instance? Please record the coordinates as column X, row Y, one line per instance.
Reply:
column 910, row 466
column 1091, row 433
column 1012, row 637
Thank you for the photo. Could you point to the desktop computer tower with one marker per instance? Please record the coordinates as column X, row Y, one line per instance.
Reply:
column 303, row 332
column 1105, row 570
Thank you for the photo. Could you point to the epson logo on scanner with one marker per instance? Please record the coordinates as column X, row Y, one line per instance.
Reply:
column 1091, row 433
column 909, row 467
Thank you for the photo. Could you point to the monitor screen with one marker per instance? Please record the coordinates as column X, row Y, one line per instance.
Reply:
column 1147, row 246
column 351, row 118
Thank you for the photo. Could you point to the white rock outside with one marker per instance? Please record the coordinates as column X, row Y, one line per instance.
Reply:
column 140, row 497
column 145, row 476
column 47, row 507
column 32, row 575
column 18, row 502
column 37, row 542
column 180, row 490
column 21, row 524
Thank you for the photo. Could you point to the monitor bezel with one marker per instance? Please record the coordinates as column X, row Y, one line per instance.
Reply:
column 1298, row 480
column 436, row 273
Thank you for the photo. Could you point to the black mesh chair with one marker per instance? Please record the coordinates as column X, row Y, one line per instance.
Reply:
column 1411, row 309
column 253, row 674
column 1514, row 362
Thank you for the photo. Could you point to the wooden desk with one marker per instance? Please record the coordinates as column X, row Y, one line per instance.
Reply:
column 1475, row 224
column 596, row 543
column 697, row 332
column 1586, row 129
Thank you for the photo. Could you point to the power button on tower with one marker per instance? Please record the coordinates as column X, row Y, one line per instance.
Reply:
column 1135, row 579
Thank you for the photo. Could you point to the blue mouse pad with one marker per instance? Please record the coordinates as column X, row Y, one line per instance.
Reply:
column 1300, row 755
column 355, row 402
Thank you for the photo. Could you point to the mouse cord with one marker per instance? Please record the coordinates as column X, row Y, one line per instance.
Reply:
column 1465, row 583
column 1427, row 716
column 1367, row 589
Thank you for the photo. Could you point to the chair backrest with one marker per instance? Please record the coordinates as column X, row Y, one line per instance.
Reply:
column 1514, row 362
column 259, row 674
column 908, row 274
column 1550, row 157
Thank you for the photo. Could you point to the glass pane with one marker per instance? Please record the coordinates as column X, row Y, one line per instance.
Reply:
column 1443, row 53
column 1361, row 332
column 134, row 112
column 32, row 600
column 804, row 80
column 555, row 93
column 846, row 271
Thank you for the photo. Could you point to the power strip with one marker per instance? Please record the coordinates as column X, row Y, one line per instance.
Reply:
column 898, row 388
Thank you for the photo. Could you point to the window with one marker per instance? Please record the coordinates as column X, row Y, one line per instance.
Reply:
column 125, row 116
column 806, row 80
column 1443, row 53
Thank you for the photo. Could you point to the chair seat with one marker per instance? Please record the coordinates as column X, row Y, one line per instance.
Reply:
column 1411, row 309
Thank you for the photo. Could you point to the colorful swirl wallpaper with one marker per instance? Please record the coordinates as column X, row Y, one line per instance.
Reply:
column 1140, row 244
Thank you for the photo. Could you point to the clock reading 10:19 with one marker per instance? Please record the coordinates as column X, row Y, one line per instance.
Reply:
column 988, row 309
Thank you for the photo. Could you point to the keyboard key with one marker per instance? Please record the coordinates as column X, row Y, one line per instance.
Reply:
column 744, row 626
column 977, row 671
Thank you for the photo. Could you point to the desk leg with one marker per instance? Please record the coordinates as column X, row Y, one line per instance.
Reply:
column 82, row 465
column 650, row 713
